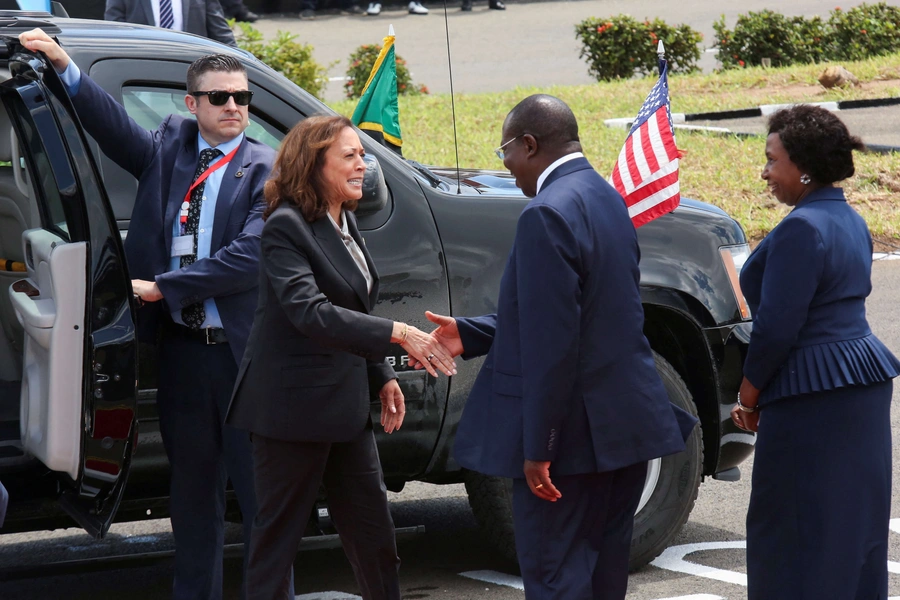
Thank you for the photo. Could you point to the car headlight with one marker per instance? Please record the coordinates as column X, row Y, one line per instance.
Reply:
column 734, row 257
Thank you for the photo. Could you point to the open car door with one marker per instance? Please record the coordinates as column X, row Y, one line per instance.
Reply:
column 79, row 381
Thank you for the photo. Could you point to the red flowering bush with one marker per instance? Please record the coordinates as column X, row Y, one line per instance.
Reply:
column 622, row 46
column 768, row 34
column 360, row 66
column 864, row 31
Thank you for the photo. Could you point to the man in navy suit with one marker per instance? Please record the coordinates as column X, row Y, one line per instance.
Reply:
column 193, row 251
column 568, row 388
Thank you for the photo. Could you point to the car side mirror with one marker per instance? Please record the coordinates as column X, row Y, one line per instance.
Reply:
column 375, row 193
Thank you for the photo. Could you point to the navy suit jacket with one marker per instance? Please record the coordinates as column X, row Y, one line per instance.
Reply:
column 569, row 376
column 806, row 285
column 163, row 161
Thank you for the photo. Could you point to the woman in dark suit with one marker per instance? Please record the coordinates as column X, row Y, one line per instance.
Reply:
column 817, row 383
column 314, row 352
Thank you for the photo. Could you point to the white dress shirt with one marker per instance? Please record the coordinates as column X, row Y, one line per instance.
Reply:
column 353, row 248
column 177, row 14
column 556, row 163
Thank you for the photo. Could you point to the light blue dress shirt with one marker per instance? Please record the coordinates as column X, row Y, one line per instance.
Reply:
column 204, row 228
column 71, row 78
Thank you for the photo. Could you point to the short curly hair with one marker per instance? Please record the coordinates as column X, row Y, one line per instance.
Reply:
column 817, row 142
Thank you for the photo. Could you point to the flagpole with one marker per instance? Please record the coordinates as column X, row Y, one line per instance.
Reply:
column 661, row 55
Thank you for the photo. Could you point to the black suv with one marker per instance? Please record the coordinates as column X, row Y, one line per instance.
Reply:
column 77, row 393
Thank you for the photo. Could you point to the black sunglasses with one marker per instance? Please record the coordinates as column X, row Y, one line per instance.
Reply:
column 220, row 97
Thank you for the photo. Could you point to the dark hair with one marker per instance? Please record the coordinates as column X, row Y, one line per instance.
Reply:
column 296, row 175
column 817, row 142
column 547, row 118
column 220, row 63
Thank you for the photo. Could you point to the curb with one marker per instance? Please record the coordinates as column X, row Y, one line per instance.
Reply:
column 680, row 120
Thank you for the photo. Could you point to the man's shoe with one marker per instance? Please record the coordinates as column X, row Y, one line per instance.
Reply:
column 246, row 15
column 496, row 5
column 374, row 9
column 307, row 14
column 416, row 8
column 466, row 6
column 353, row 9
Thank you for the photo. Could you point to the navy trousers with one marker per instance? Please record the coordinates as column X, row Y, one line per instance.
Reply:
column 195, row 385
column 577, row 547
column 817, row 526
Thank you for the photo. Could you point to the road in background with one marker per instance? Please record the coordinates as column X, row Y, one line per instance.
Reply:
column 529, row 44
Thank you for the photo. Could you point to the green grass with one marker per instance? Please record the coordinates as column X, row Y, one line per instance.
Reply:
column 719, row 170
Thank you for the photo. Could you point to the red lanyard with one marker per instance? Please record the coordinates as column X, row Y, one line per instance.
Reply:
column 187, row 197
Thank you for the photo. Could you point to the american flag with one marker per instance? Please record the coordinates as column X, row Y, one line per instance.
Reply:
column 646, row 172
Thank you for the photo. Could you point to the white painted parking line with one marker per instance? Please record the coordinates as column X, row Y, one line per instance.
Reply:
column 327, row 596
column 496, row 578
column 886, row 256
column 673, row 560
column 696, row 597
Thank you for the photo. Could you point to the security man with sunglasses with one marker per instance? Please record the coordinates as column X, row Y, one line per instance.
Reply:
column 193, row 249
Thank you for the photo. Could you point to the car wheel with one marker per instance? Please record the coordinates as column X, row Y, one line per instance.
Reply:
column 666, row 502
column 672, row 482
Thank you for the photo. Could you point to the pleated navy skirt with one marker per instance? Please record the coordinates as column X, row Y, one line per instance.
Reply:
column 817, row 526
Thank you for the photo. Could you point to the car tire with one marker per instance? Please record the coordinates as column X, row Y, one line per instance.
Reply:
column 669, row 495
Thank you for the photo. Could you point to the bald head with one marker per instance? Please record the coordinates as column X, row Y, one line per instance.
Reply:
column 548, row 119
column 537, row 132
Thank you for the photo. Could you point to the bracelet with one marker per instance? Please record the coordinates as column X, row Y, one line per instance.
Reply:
column 746, row 409
column 404, row 333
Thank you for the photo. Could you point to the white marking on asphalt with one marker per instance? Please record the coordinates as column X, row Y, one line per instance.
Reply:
column 696, row 597
column 327, row 596
column 894, row 525
column 496, row 578
column 886, row 256
column 673, row 560
column 141, row 539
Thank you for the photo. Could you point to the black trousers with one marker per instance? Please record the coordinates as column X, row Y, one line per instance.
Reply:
column 195, row 385
column 288, row 475
column 577, row 547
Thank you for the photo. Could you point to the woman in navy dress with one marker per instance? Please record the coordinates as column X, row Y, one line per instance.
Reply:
column 817, row 383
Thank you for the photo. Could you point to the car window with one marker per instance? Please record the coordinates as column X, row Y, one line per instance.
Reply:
column 150, row 105
column 43, row 181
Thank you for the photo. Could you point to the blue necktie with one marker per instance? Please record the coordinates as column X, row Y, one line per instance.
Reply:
column 166, row 17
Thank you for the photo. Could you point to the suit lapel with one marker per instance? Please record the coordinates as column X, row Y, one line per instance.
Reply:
column 185, row 13
column 182, row 174
column 232, row 183
column 356, row 235
column 337, row 253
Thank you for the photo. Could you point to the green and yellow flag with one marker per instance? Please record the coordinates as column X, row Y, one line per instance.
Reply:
column 378, row 113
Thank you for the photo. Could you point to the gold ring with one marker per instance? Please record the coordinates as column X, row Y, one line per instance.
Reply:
column 539, row 486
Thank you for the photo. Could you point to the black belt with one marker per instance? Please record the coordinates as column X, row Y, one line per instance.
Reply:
column 209, row 335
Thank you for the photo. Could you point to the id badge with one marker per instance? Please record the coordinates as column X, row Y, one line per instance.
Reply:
column 182, row 245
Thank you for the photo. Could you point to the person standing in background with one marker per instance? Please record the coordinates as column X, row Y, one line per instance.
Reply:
column 200, row 17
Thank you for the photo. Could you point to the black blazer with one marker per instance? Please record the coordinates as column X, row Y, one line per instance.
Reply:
column 314, row 349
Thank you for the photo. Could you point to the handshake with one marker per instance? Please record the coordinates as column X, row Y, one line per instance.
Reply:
column 433, row 351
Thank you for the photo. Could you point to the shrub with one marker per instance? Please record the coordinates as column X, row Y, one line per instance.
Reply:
column 287, row 56
column 865, row 31
column 621, row 46
column 360, row 66
column 768, row 34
